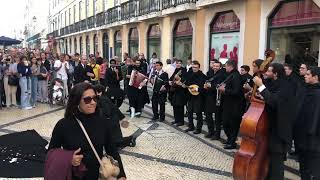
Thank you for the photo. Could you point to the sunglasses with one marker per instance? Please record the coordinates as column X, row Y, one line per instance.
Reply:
column 88, row 100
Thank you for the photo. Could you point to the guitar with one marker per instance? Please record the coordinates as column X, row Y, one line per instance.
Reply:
column 193, row 87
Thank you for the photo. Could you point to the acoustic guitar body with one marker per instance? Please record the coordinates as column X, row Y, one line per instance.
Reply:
column 193, row 86
column 252, row 160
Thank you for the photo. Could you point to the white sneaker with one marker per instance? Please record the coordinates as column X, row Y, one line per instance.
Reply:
column 132, row 112
column 27, row 108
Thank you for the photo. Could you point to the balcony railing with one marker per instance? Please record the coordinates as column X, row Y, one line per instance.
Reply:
column 127, row 10
column 91, row 22
column 67, row 30
column 62, row 32
column 100, row 19
column 83, row 25
column 173, row 3
column 146, row 7
column 77, row 27
column 113, row 14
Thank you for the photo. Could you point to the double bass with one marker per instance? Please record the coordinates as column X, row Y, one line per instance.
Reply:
column 251, row 162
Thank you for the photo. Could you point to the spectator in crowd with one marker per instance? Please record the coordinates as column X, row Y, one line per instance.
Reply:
column 35, row 72
column 25, row 82
column 83, row 72
column 43, row 83
column 96, row 70
column 61, row 66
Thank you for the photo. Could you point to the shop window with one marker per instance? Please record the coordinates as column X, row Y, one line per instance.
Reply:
column 154, row 41
column 118, row 44
column 224, row 37
column 182, row 40
column 133, row 42
column 105, row 46
column 294, row 32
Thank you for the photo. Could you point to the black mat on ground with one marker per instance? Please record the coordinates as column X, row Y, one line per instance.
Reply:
column 22, row 154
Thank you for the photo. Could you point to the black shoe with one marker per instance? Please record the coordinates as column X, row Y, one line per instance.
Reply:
column 197, row 131
column 215, row 138
column 209, row 135
column 133, row 141
column 128, row 111
column 189, row 129
column 179, row 124
column 155, row 118
column 161, row 120
column 224, row 141
column 230, row 146
column 173, row 123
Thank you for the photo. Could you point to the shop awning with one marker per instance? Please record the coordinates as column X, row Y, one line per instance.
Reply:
column 6, row 41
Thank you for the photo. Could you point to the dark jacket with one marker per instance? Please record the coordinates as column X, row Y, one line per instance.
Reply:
column 196, row 103
column 111, row 80
column 58, row 166
column 279, row 104
column 24, row 70
column 233, row 96
column 68, row 135
column 307, row 127
column 177, row 93
column 211, row 93
column 113, row 116
column 80, row 73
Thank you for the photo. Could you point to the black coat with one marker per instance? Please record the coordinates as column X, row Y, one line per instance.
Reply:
column 113, row 83
column 80, row 73
column 211, row 93
column 307, row 127
column 233, row 96
column 68, row 135
column 196, row 103
column 113, row 116
column 161, row 95
column 177, row 94
column 279, row 105
column 247, row 78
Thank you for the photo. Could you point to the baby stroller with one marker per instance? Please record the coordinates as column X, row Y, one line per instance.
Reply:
column 56, row 92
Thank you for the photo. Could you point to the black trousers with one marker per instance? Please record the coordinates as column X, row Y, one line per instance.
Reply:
column 125, row 142
column 276, row 166
column 218, row 121
column 178, row 113
column 159, row 99
column 309, row 165
column 231, row 127
column 117, row 101
column 199, row 120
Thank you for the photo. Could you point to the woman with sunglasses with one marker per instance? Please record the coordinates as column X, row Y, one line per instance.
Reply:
column 67, row 134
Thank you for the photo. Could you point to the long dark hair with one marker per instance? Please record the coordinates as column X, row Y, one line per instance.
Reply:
column 75, row 98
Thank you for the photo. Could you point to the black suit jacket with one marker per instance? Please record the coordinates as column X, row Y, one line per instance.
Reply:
column 80, row 73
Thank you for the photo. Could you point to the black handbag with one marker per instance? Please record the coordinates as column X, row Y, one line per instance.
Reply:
column 13, row 80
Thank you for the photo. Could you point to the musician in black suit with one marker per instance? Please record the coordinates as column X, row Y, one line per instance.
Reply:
column 160, row 81
column 112, row 79
column 138, row 97
column 195, row 102
column 178, row 93
column 232, row 102
column 277, row 95
column 215, row 76
column 83, row 72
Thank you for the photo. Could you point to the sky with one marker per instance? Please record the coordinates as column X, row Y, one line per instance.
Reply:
column 11, row 17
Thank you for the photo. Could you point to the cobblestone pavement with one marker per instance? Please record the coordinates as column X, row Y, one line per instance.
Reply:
column 163, row 152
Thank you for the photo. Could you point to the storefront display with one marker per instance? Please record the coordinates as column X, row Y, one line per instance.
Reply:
column 154, row 41
column 182, row 40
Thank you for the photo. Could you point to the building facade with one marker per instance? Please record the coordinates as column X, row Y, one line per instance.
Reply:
column 198, row 29
column 36, row 23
